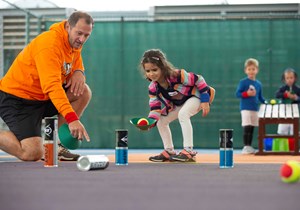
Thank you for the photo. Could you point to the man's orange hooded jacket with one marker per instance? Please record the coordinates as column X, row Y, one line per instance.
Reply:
column 40, row 70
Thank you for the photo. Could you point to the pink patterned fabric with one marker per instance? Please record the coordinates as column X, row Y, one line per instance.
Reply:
column 187, row 83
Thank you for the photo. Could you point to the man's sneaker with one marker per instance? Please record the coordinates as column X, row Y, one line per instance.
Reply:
column 65, row 155
column 248, row 150
column 162, row 157
column 185, row 156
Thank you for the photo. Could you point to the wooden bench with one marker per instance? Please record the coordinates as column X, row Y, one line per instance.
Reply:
column 278, row 114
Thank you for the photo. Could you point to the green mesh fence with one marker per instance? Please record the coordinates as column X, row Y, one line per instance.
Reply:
column 216, row 49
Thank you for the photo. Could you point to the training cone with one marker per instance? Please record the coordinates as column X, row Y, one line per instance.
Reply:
column 67, row 139
column 143, row 123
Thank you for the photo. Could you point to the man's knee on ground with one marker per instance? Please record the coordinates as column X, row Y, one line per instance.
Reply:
column 32, row 155
column 31, row 149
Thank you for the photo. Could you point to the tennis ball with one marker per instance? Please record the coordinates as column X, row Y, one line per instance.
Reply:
column 273, row 101
column 290, row 171
column 143, row 121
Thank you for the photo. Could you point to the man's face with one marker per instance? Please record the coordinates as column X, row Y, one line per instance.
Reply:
column 79, row 33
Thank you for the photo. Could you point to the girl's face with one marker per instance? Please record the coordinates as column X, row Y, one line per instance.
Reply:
column 153, row 72
column 251, row 71
column 289, row 78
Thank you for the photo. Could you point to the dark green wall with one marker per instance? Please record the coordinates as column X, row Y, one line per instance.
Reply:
column 216, row 49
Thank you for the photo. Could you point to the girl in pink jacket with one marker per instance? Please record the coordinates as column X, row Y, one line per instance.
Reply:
column 174, row 94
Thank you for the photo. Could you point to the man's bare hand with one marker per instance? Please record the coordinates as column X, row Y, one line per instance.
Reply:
column 78, row 131
column 76, row 83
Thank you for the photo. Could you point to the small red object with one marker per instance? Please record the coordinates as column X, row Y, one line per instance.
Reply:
column 286, row 171
column 143, row 121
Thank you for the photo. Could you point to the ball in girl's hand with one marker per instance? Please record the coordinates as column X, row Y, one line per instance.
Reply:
column 143, row 121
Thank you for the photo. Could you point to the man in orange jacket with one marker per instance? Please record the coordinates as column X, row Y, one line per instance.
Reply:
column 47, row 78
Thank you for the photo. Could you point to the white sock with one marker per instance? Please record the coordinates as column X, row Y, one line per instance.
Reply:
column 188, row 149
column 170, row 150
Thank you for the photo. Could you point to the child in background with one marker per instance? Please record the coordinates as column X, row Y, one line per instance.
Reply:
column 249, row 91
column 174, row 94
column 289, row 93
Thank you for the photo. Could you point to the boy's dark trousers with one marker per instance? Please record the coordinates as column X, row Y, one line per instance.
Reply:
column 248, row 135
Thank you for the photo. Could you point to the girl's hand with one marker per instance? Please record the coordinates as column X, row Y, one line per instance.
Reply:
column 152, row 126
column 289, row 95
column 294, row 97
column 205, row 108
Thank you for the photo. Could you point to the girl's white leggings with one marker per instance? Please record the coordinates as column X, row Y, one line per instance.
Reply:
column 183, row 114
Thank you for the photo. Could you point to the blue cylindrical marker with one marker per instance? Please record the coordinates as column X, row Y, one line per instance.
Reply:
column 121, row 147
column 226, row 148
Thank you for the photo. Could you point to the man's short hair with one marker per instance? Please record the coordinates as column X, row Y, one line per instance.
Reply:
column 75, row 16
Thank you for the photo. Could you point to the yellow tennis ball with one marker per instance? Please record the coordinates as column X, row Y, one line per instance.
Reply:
column 143, row 121
column 273, row 101
column 290, row 171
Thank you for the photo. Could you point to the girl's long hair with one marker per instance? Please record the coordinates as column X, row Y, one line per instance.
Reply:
column 157, row 57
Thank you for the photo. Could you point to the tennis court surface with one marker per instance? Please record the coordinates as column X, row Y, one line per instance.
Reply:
column 254, row 183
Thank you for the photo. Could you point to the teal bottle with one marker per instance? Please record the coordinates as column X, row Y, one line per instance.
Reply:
column 226, row 148
column 121, row 151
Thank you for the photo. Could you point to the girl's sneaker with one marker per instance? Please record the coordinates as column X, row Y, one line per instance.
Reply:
column 162, row 157
column 185, row 156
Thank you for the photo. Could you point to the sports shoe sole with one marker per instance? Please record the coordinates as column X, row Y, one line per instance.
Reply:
column 67, row 159
column 158, row 161
column 184, row 160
